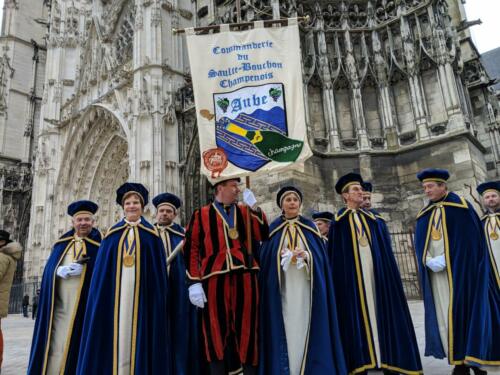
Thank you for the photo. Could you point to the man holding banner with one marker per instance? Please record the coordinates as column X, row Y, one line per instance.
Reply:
column 251, row 120
column 218, row 252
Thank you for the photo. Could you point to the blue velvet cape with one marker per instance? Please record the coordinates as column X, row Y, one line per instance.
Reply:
column 184, row 341
column 98, row 351
column 398, row 345
column 472, row 326
column 495, row 268
column 41, row 333
column 493, row 297
column 324, row 351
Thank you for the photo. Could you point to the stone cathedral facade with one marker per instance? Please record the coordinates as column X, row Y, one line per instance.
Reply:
column 390, row 86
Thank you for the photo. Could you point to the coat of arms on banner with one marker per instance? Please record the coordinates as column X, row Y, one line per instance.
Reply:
column 251, row 127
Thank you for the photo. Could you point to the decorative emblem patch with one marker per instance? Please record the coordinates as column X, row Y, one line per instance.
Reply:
column 251, row 126
column 215, row 161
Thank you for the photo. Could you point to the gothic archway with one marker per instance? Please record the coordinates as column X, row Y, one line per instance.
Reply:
column 95, row 163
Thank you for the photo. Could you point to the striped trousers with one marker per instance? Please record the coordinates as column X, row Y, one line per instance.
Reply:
column 230, row 317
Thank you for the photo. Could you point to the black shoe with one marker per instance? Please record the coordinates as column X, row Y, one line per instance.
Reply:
column 461, row 370
column 478, row 371
column 249, row 370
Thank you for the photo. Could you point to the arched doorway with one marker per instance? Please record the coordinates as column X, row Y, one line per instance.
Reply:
column 95, row 163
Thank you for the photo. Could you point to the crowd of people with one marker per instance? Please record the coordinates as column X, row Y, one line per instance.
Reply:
column 235, row 294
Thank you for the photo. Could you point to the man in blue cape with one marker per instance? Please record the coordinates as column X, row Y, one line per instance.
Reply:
column 183, row 315
column 323, row 220
column 367, row 205
column 452, row 255
column 490, row 193
column 63, row 296
column 367, row 197
column 299, row 332
column 374, row 319
column 126, row 322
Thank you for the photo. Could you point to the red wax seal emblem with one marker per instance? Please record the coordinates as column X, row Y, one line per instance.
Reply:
column 215, row 161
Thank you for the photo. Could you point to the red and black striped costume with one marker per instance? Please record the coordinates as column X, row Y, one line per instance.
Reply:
column 229, row 277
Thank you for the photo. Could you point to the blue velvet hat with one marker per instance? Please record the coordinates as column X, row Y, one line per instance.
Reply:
column 285, row 191
column 169, row 199
column 433, row 174
column 347, row 180
column 324, row 215
column 487, row 186
column 367, row 187
column 132, row 187
column 82, row 207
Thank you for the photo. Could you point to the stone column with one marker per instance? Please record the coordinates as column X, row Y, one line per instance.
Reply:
column 444, row 56
column 46, row 163
column 385, row 103
column 30, row 106
column 351, row 70
column 415, row 84
column 308, row 68
column 329, row 110
column 154, row 140
column 365, row 166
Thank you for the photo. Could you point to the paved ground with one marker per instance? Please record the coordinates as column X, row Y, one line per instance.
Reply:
column 18, row 330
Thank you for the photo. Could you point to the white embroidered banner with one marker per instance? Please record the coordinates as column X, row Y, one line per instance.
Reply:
column 249, row 99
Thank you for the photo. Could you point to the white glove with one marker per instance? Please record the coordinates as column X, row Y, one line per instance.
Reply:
column 436, row 264
column 286, row 259
column 62, row 272
column 302, row 261
column 249, row 198
column 72, row 269
column 197, row 295
column 75, row 269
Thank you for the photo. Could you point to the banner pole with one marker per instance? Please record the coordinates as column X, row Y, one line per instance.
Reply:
column 267, row 23
column 249, row 228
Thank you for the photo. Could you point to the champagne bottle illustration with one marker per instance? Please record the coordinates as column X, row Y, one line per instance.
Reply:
column 274, row 145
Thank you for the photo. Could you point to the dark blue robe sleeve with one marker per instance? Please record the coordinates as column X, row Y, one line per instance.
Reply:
column 185, row 338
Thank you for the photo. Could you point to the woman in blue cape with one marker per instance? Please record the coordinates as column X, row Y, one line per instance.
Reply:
column 126, row 322
column 298, row 329
column 63, row 295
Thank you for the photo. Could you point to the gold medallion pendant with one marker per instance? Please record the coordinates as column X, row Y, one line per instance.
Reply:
column 494, row 236
column 363, row 241
column 233, row 233
column 128, row 260
column 294, row 259
column 436, row 235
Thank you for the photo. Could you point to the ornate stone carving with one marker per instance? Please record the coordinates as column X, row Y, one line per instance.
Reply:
column 474, row 73
column 109, row 17
column 6, row 73
column 123, row 40
column 156, row 14
column 11, row 4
